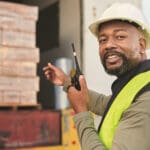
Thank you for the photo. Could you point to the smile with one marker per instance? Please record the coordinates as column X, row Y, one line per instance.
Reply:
column 112, row 57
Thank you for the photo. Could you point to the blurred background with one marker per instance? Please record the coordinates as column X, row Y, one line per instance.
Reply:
column 33, row 33
column 62, row 22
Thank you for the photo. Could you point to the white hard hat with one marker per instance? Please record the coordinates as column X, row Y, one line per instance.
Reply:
column 125, row 12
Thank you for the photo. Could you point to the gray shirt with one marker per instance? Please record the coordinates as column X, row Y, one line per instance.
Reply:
column 132, row 133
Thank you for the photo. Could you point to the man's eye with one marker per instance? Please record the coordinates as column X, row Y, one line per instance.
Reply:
column 102, row 40
column 120, row 37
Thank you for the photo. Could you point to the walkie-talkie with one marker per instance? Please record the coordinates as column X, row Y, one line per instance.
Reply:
column 75, row 73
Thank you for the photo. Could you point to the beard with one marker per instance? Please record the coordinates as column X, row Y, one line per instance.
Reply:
column 126, row 66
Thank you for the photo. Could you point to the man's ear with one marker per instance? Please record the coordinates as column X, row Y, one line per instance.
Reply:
column 142, row 42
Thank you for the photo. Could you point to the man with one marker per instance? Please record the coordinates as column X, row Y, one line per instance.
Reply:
column 123, row 37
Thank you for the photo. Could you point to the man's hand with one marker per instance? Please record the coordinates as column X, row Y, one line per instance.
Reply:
column 79, row 99
column 55, row 75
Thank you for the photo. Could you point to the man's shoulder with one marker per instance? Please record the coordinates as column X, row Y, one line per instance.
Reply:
column 143, row 91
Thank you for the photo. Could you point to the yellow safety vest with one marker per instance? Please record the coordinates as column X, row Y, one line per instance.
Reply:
column 120, row 104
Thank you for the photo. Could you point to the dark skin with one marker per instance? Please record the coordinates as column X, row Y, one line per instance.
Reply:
column 115, row 38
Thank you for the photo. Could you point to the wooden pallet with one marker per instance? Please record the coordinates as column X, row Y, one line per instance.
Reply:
column 20, row 106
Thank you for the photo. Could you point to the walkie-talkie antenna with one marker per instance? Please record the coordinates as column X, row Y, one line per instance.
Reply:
column 76, row 61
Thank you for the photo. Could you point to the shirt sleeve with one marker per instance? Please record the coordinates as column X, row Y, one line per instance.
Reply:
column 98, row 102
column 88, row 135
column 132, row 133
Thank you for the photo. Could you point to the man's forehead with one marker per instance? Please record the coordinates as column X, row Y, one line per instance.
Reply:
column 118, row 22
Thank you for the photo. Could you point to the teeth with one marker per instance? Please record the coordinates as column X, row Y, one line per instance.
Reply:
column 112, row 56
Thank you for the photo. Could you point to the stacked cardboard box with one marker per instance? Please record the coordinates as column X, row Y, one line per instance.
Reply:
column 19, row 55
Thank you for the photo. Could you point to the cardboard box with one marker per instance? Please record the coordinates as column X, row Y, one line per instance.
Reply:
column 17, row 24
column 18, row 39
column 19, row 54
column 16, row 68
column 19, row 83
column 16, row 10
column 12, row 97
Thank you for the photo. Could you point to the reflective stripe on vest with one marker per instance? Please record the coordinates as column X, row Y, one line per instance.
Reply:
column 120, row 104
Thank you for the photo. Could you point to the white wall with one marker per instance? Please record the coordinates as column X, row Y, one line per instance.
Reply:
column 145, row 6
column 96, row 78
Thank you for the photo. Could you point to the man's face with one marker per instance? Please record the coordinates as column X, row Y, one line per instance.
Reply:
column 121, row 47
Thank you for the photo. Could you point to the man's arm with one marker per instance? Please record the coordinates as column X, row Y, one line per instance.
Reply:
column 132, row 133
column 88, row 135
column 85, row 122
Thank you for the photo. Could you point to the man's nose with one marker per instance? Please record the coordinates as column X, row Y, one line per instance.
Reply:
column 111, row 43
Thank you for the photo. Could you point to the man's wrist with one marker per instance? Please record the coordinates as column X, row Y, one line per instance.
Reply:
column 67, row 84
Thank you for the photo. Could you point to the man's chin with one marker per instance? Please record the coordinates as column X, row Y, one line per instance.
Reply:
column 118, row 68
column 117, row 71
column 112, row 68
column 111, row 72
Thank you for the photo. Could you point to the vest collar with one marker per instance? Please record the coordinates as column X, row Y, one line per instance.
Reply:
column 121, row 81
